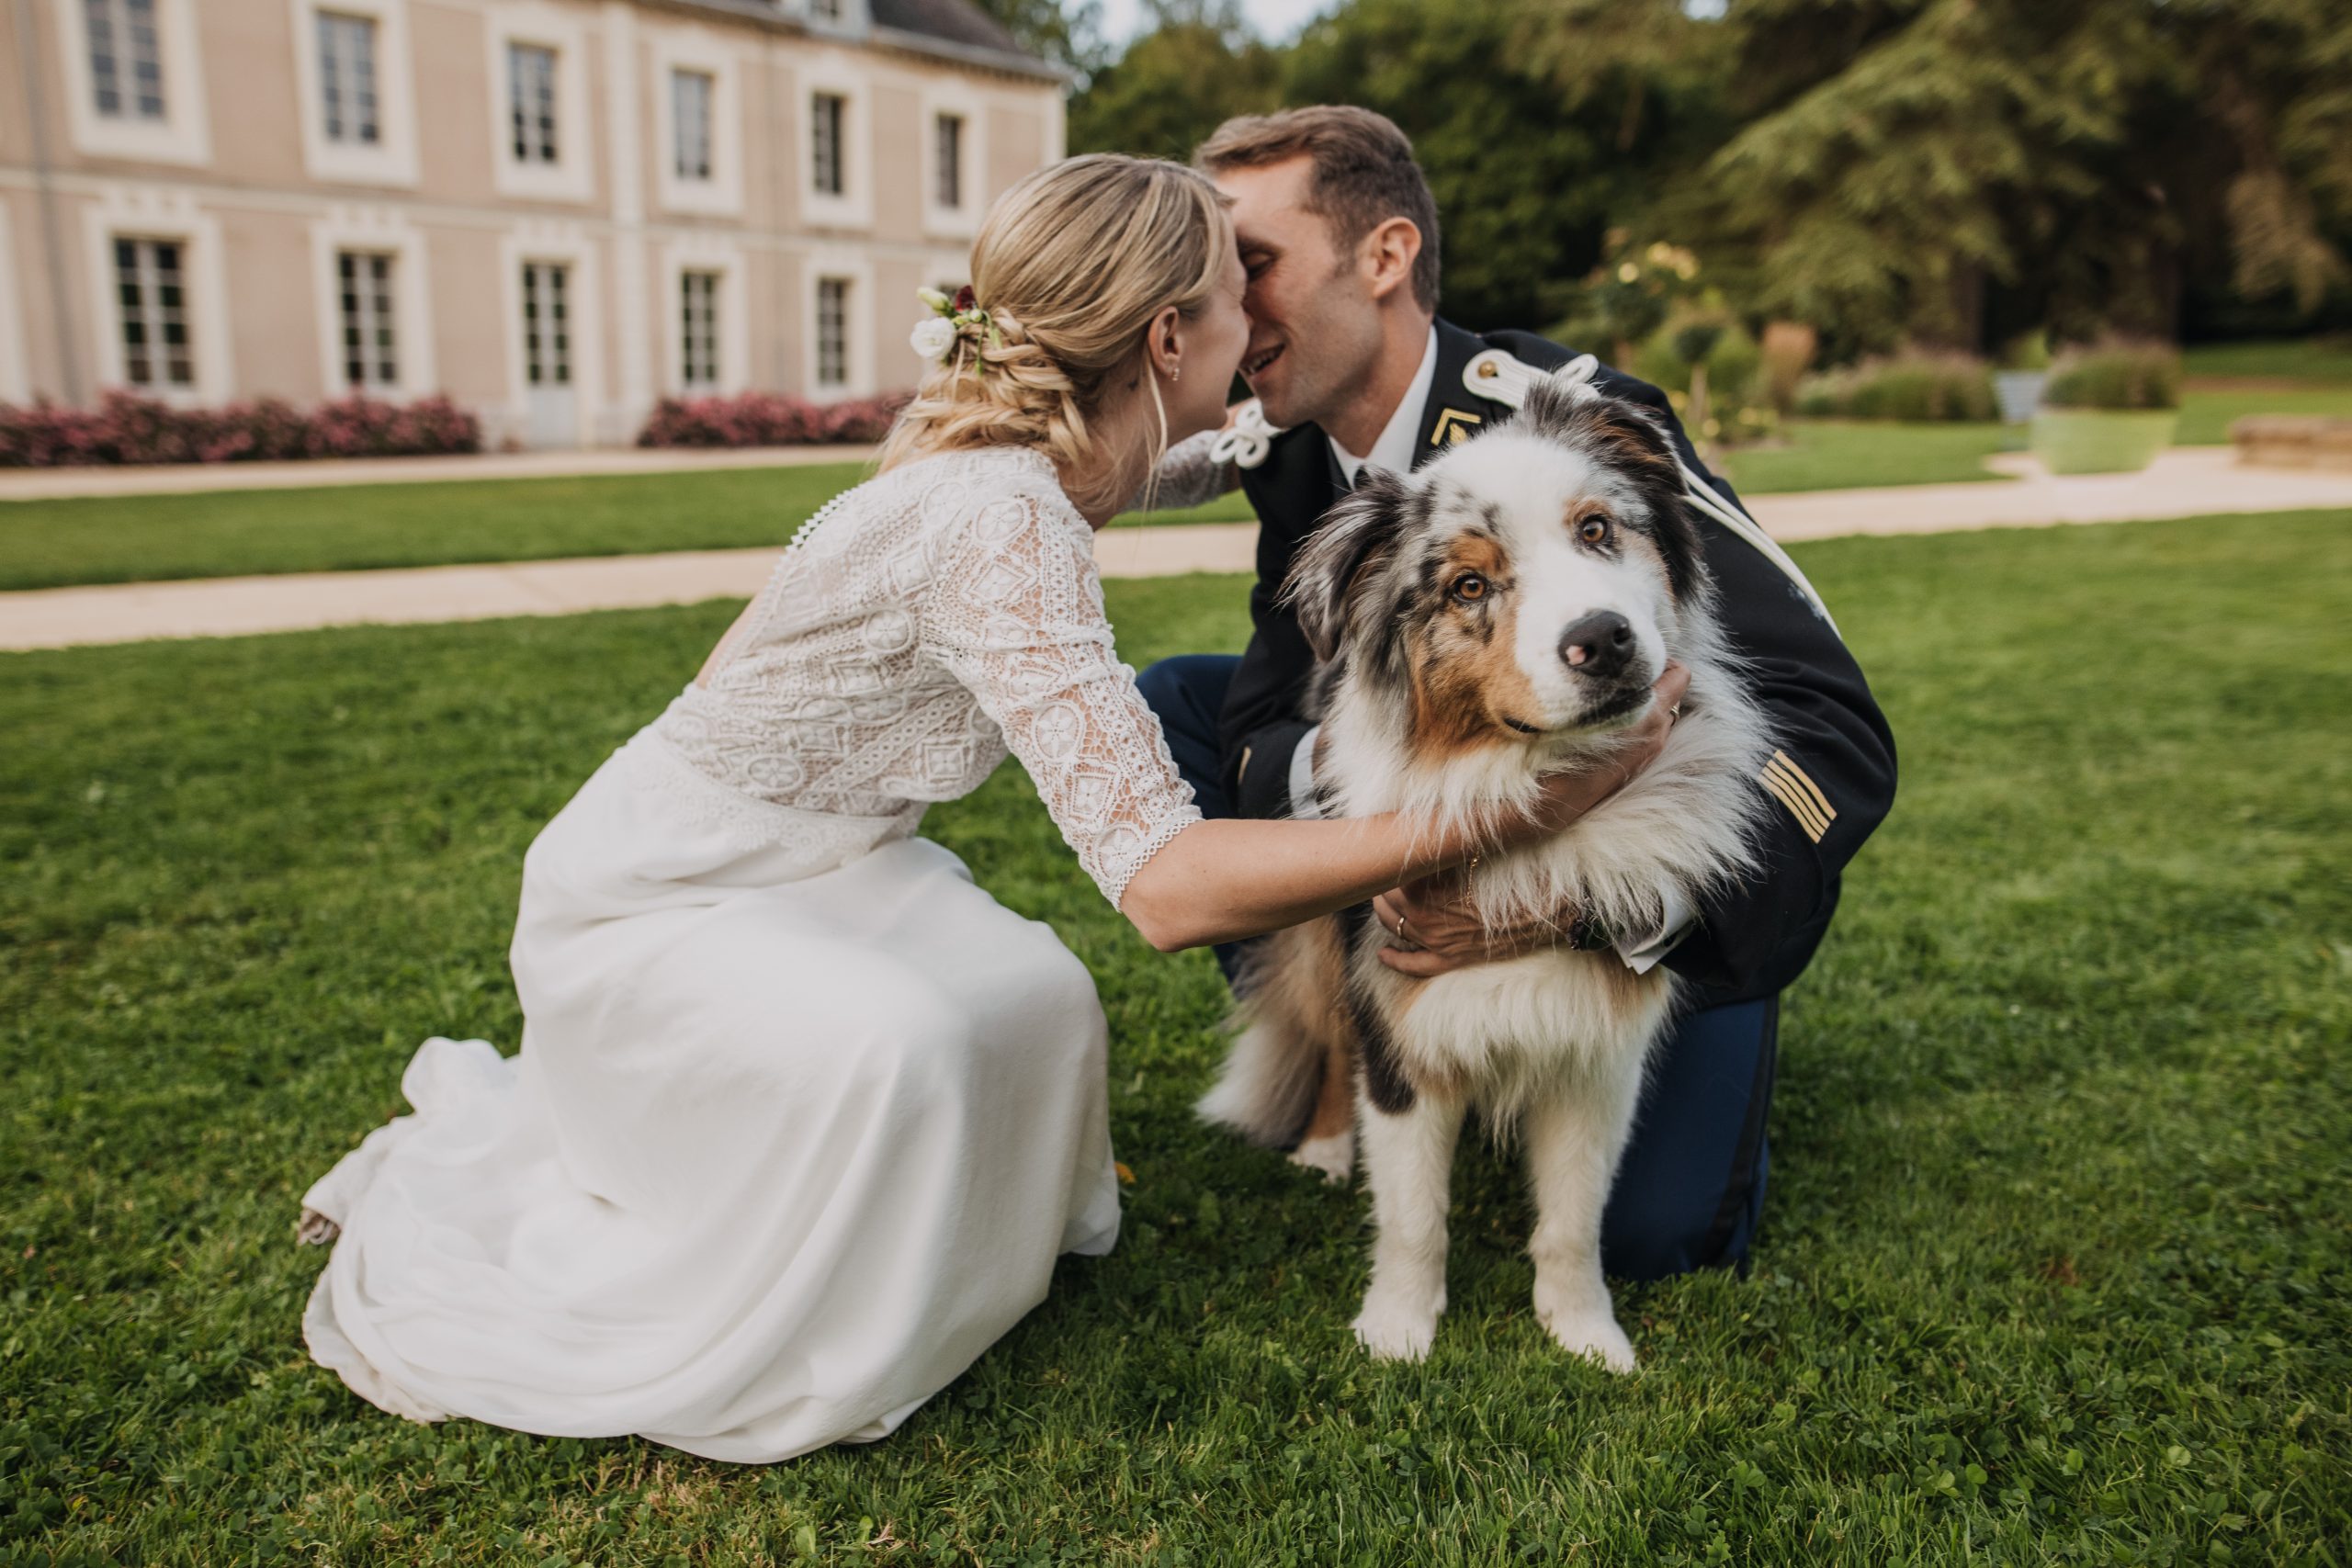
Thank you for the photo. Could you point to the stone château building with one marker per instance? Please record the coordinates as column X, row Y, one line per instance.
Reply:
column 555, row 211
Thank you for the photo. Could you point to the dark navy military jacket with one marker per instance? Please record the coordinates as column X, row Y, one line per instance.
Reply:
column 1832, row 778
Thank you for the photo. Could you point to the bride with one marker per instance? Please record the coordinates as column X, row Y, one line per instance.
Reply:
column 801, row 1116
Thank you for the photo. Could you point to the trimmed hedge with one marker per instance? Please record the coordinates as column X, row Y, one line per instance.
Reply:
column 128, row 428
column 768, row 419
column 2117, row 374
column 1920, row 387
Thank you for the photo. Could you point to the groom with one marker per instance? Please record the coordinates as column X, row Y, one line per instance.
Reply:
column 1349, row 359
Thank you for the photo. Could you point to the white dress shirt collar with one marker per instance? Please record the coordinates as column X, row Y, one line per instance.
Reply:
column 1394, row 449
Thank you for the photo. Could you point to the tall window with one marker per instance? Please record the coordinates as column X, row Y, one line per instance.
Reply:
column 690, row 93
column 530, row 75
column 947, row 136
column 347, row 77
column 126, row 58
column 825, row 141
column 370, row 349
column 833, row 331
column 153, row 295
column 546, row 324
column 698, row 323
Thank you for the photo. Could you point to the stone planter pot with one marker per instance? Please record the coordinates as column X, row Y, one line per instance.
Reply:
column 2020, row 393
column 2101, row 441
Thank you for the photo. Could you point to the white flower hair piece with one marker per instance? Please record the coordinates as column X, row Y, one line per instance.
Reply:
column 933, row 338
column 951, row 322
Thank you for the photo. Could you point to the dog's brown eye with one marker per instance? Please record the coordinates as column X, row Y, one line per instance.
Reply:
column 1593, row 530
column 1469, row 586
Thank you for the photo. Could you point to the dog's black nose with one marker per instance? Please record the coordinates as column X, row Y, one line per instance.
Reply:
column 1598, row 645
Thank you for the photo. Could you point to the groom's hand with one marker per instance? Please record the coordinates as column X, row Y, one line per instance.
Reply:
column 1443, row 932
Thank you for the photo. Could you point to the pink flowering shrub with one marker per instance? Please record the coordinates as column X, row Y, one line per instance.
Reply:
column 128, row 428
column 768, row 419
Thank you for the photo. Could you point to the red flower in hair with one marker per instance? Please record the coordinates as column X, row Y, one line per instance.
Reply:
column 966, row 300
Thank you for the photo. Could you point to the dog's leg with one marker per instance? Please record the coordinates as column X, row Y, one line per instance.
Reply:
column 1329, row 1144
column 1268, row 1087
column 1408, row 1160
column 1575, row 1134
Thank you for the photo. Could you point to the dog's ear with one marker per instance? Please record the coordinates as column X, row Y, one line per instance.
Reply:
column 1328, row 575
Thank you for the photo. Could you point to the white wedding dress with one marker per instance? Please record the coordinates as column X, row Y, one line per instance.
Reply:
column 801, row 1116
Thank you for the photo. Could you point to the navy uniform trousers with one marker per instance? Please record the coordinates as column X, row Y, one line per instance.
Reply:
column 1692, row 1184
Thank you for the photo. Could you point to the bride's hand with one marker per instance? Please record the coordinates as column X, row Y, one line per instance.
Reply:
column 1569, row 795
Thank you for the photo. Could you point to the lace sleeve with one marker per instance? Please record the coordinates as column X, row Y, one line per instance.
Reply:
column 1189, row 475
column 1015, row 614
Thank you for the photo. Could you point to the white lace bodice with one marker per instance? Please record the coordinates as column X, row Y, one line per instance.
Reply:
column 916, row 627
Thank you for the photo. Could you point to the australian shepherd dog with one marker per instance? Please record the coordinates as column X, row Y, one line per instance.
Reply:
column 1498, row 615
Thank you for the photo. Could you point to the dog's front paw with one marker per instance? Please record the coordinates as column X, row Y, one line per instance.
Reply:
column 315, row 1229
column 1592, row 1332
column 1395, row 1329
column 1335, row 1157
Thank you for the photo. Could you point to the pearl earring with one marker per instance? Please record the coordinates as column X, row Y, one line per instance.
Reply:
column 1175, row 372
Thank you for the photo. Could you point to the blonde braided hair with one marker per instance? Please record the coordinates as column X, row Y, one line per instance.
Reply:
column 1071, row 266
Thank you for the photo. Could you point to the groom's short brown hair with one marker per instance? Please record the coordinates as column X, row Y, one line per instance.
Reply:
column 1364, row 173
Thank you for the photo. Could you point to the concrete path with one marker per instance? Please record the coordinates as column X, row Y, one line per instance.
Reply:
column 2188, row 482
column 184, row 478
column 235, row 606
column 2184, row 483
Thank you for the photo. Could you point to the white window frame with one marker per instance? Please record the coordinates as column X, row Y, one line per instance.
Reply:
column 15, row 375
column 707, row 89
column 707, row 285
column 726, row 260
column 562, row 243
column 386, row 234
column 185, row 133
column 962, row 221
column 135, row 214
column 572, row 176
column 853, row 208
column 856, row 325
column 677, row 49
column 364, row 288
column 391, row 161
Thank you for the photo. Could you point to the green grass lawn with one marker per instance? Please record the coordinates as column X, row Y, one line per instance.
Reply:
column 153, row 539
column 47, row 544
column 54, row 543
column 2056, row 1264
column 1832, row 454
column 2293, row 359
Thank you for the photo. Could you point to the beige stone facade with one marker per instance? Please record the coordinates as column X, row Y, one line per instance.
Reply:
column 555, row 211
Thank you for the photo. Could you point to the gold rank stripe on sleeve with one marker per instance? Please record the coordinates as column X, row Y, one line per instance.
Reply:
column 1793, row 789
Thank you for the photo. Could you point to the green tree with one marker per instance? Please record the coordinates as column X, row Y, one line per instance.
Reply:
column 1541, row 125
column 1197, row 66
column 1906, row 164
column 1069, row 36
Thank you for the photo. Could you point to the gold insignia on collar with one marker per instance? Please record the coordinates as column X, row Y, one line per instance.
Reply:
column 1794, row 788
column 1452, row 425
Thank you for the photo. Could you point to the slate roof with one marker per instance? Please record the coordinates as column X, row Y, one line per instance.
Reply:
column 945, row 30
column 956, row 21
